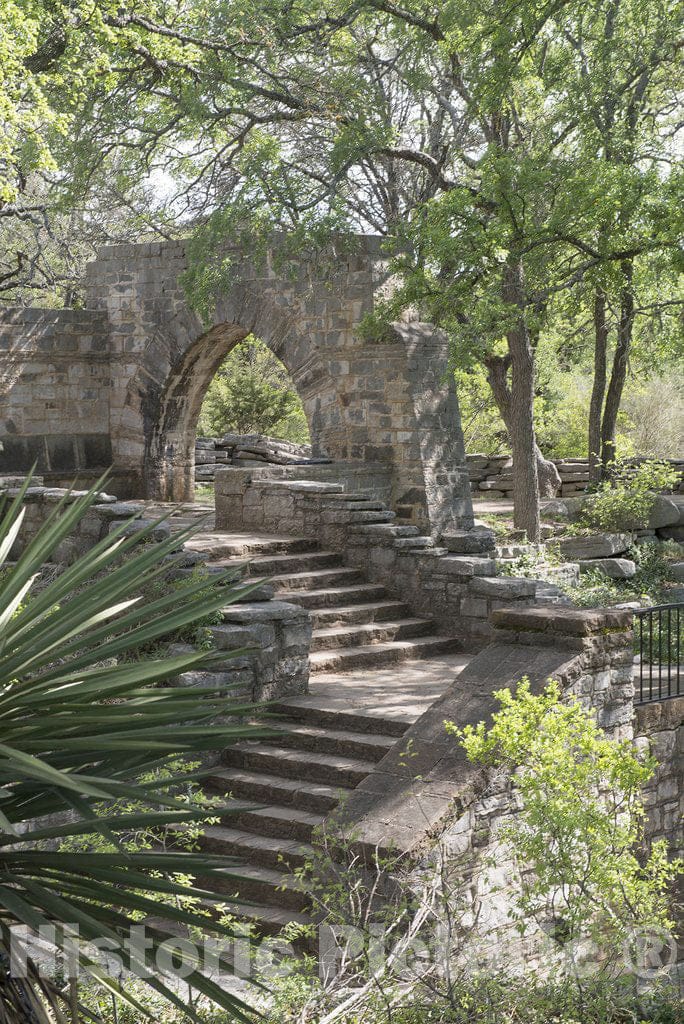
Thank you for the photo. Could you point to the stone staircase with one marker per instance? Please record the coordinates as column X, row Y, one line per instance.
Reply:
column 279, row 791
column 356, row 624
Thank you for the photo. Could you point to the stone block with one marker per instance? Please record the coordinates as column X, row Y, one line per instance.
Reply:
column 665, row 512
column 479, row 540
column 503, row 588
column 158, row 531
column 597, row 545
column 614, row 568
column 460, row 565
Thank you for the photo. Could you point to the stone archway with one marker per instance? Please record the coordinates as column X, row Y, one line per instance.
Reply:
column 170, row 443
column 384, row 403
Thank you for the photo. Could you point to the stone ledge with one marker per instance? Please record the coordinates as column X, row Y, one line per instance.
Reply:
column 659, row 715
column 565, row 621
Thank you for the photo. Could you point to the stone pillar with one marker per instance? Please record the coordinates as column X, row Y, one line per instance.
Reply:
column 601, row 672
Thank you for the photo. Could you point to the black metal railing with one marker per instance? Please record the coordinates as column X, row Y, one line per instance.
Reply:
column 658, row 648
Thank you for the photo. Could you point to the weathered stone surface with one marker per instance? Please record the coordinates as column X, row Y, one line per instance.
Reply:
column 677, row 570
column 119, row 510
column 664, row 513
column 615, row 568
column 672, row 533
column 597, row 545
column 158, row 531
column 503, row 588
column 479, row 540
column 567, row 622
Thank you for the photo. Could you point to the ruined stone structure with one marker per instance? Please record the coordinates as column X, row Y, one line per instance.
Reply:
column 122, row 381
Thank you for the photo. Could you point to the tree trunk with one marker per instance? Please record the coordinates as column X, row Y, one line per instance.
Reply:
column 619, row 370
column 548, row 477
column 520, row 423
column 598, row 389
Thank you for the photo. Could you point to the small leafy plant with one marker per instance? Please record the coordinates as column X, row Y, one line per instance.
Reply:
column 625, row 500
column 578, row 839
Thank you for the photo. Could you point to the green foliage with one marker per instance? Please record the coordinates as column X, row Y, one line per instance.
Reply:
column 483, row 428
column 625, row 500
column 578, row 835
column 196, row 633
column 80, row 727
column 534, row 564
column 650, row 584
column 252, row 393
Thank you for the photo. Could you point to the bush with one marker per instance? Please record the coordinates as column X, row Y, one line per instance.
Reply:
column 625, row 501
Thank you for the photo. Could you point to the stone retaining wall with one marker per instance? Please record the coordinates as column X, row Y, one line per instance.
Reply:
column 491, row 476
column 455, row 584
column 659, row 729
column 276, row 635
column 426, row 803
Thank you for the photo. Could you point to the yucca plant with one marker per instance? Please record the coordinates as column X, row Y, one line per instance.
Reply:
column 79, row 727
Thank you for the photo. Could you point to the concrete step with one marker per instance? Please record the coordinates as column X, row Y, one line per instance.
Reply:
column 360, row 745
column 363, row 518
column 354, row 496
column 290, row 563
column 385, row 530
column 265, row 758
column 372, row 611
column 272, row 789
column 250, row 848
column 227, row 545
column 263, row 919
column 262, row 886
column 413, row 543
column 317, row 579
column 355, row 721
column 331, row 596
column 356, row 504
column 375, row 655
column 289, row 823
column 362, row 634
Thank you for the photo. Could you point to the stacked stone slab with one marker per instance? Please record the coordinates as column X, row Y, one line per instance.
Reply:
column 491, row 476
column 212, row 453
column 659, row 731
column 54, row 392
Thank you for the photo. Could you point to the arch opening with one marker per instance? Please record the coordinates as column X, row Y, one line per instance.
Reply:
column 170, row 445
column 251, row 412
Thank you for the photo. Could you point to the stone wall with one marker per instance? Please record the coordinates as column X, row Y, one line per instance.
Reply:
column 491, row 476
column 123, row 381
column 428, row 805
column 659, row 729
column 452, row 580
column 54, row 392
column 385, row 400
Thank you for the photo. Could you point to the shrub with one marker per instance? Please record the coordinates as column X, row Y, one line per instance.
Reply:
column 79, row 731
column 252, row 393
column 578, row 836
column 625, row 501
